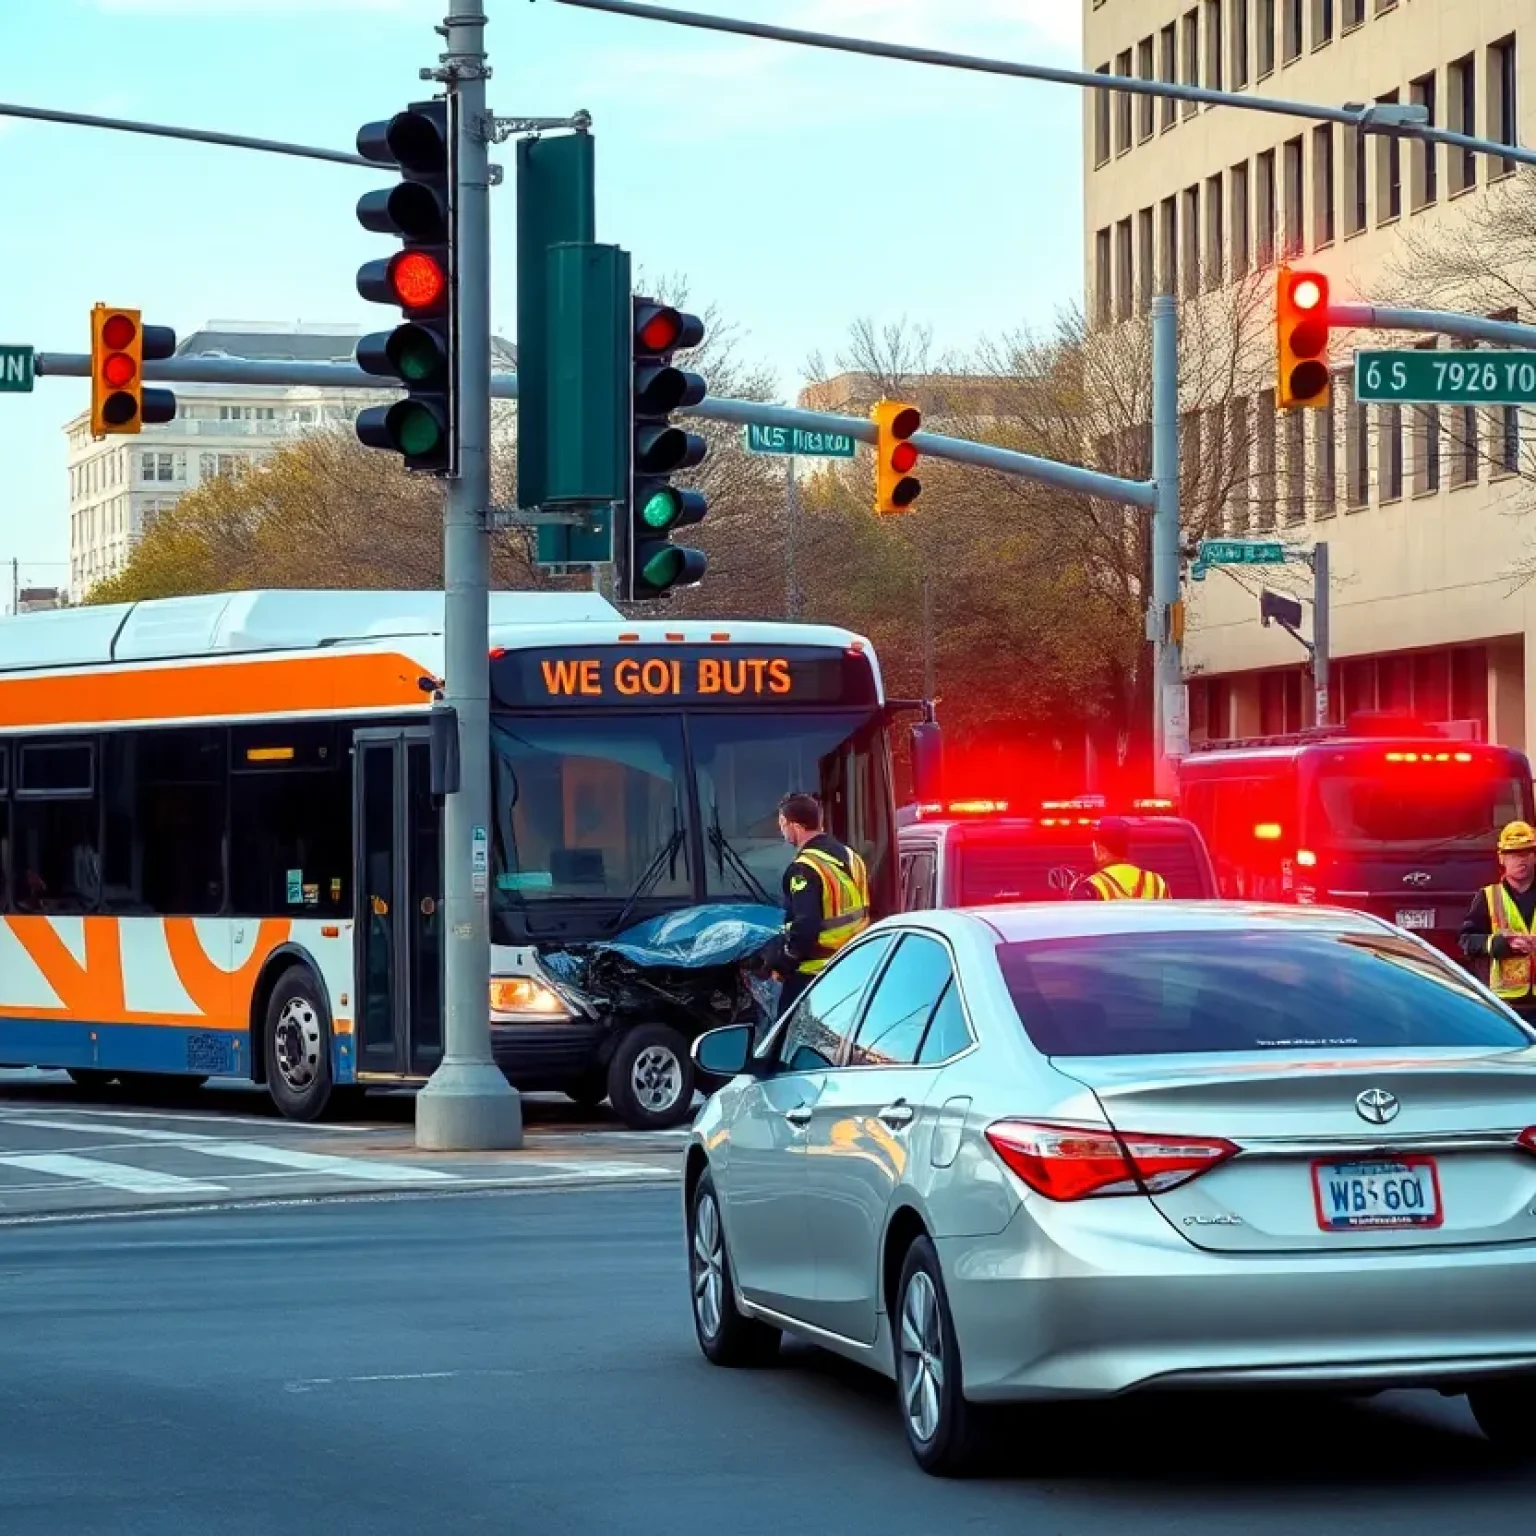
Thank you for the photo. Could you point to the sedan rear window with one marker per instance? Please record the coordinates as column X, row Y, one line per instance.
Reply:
column 1048, row 868
column 1174, row 993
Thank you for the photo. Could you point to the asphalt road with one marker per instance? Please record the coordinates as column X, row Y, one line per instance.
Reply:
column 524, row 1363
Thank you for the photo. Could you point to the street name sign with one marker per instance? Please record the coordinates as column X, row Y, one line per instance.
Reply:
column 1425, row 377
column 795, row 440
column 16, row 370
column 1240, row 552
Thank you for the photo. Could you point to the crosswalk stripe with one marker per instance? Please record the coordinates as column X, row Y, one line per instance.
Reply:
column 102, row 1128
column 367, row 1171
column 92, row 1170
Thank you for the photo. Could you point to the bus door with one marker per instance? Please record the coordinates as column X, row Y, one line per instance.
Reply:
column 399, row 882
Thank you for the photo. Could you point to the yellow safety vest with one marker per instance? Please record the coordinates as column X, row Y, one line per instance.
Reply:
column 1125, row 882
column 844, row 904
column 1511, row 976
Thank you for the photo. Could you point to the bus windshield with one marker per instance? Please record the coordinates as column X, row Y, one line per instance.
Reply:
column 599, row 807
column 1353, row 804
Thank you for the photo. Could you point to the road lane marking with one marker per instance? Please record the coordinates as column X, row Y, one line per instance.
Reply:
column 317, row 1162
column 86, row 1128
column 91, row 1170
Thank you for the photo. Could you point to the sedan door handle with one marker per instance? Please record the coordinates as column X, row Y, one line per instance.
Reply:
column 898, row 1115
column 799, row 1117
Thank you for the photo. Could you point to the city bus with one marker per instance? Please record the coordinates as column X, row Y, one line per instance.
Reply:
column 221, row 849
column 1391, row 817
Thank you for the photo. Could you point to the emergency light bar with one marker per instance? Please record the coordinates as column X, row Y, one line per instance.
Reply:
column 1429, row 757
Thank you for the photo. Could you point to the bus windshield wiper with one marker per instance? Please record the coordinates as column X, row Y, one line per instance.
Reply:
column 726, row 854
column 664, row 857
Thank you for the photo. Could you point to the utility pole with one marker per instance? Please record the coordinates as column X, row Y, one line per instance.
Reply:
column 791, row 534
column 1320, row 637
column 1162, row 628
column 468, row 1105
column 15, row 585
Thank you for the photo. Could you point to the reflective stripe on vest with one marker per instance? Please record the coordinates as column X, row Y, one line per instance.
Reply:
column 1511, row 976
column 1125, row 882
column 844, row 905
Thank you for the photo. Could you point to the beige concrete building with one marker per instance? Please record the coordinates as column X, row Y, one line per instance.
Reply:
column 1414, row 503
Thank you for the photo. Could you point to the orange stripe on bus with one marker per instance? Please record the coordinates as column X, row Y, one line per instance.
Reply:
column 291, row 685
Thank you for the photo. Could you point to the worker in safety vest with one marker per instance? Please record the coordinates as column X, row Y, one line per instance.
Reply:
column 1498, row 927
column 1115, row 878
column 826, row 898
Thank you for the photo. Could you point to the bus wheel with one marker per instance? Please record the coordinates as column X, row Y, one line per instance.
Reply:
column 297, row 1041
column 650, row 1079
column 89, row 1078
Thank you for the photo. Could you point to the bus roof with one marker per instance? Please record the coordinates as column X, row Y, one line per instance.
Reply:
column 244, row 624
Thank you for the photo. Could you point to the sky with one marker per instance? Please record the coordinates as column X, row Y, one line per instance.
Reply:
column 794, row 189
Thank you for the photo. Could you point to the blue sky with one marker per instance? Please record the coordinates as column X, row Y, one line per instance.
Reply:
column 809, row 189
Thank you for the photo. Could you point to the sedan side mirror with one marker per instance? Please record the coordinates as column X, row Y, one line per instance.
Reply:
column 724, row 1052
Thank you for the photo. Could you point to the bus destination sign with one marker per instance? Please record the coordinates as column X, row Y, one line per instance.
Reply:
column 681, row 674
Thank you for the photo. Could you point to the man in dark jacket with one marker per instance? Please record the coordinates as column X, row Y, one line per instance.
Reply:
column 1500, row 923
column 826, row 899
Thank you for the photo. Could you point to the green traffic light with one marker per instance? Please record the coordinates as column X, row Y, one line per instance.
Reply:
column 662, row 508
column 416, row 430
column 662, row 569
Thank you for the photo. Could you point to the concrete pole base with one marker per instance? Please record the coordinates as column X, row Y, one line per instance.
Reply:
column 468, row 1106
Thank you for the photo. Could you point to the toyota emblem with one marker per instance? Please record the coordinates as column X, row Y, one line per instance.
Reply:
column 1377, row 1105
column 1417, row 877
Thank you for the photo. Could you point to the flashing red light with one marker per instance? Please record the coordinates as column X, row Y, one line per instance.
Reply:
column 903, row 458
column 119, row 370
column 1306, row 858
column 417, row 279
column 1267, row 831
column 1306, row 293
column 1152, row 805
column 1429, row 757
column 117, row 332
column 1076, row 803
column 661, row 331
column 977, row 807
column 1067, row 1162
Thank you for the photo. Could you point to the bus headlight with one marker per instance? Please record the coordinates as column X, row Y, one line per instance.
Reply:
column 524, row 995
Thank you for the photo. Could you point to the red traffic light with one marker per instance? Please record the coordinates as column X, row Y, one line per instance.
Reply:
column 117, row 332
column 1307, row 291
column 660, row 330
column 903, row 458
column 418, row 280
column 119, row 370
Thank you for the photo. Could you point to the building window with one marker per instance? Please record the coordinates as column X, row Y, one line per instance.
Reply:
column 1389, row 449
column 1146, row 257
column 1426, row 444
column 1242, row 248
column 1191, row 241
column 1326, row 455
column 1389, row 171
column 1170, row 253
column 1215, row 231
column 1426, row 157
column 157, row 467
column 1461, row 78
column 1239, row 33
column 1213, row 44
column 1324, row 199
column 207, row 466
column 1123, row 106
column 1292, row 41
column 1240, row 488
column 1464, row 437
column 1357, row 448
column 1295, row 235
column 1354, row 181
column 1146, row 68
column 1103, row 292
column 1169, row 73
column 1503, row 126
column 1295, row 466
column 1125, row 287
column 229, row 464
column 1354, row 14
column 1266, row 38
column 1265, row 215
column 1322, row 23
column 1191, row 74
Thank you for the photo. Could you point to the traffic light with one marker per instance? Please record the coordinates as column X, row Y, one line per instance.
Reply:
column 649, row 563
column 896, row 488
column 1301, row 321
column 120, row 346
column 421, row 280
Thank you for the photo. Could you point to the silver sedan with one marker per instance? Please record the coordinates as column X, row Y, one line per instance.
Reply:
column 1081, row 1150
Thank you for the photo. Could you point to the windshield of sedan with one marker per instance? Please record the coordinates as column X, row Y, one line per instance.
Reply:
column 598, row 808
column 1213, row 990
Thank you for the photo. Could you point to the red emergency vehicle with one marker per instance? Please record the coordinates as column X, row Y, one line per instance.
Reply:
column 1385, row 816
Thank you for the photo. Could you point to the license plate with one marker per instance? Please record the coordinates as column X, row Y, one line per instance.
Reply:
column 1392, row 1192
column 1415, row 917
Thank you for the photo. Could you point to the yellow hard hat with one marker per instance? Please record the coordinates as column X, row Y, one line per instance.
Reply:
column 1518, row 837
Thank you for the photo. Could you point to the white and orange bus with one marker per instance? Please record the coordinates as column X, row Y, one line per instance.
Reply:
column 220, row 854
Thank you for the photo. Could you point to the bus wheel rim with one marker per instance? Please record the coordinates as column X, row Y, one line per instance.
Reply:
column 297, row 1041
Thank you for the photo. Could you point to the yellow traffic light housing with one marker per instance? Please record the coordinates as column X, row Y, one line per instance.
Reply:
column 896, row 488
column 120, row 346
column 1302, row 379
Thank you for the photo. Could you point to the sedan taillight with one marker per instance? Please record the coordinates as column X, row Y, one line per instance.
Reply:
column 1070, row 1162
column 1527, row 1138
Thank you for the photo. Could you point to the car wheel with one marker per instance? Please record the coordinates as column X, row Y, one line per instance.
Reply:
column 725, row 1335
column 1506, row 1413
column 650, row 1079
column 89, row 1078
column 297, row 1041
column 947, row 1434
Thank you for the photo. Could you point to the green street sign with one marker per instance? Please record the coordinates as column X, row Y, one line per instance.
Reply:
column 794, row 440
column 16, row 370
column 1240, row 552
column 1421, row 377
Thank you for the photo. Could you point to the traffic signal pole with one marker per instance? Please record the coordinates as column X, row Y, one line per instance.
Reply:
column 468, row 1105
column 1168, row 745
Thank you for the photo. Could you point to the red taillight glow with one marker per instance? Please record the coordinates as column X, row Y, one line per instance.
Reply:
column 1068, row 1162
column 1306, row 858
column 1527, row 1138
column 1267, row 831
